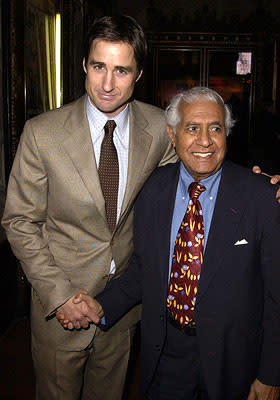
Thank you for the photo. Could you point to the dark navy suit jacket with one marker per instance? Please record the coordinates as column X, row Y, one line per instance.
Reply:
column 238, row 304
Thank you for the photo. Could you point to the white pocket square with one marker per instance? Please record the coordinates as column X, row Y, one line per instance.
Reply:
column 243, row 241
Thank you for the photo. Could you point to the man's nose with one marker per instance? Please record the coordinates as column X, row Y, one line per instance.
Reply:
column 108, row 82
column 204, row 138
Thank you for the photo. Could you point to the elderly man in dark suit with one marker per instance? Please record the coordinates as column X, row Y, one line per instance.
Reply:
column 205, row 267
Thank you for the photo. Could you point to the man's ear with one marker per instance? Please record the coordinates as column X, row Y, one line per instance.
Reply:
column 139, row 75
column 171, row 135
column 84, row 65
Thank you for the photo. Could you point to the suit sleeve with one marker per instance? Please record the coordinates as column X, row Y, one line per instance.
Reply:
column 269, row 367
column 123, row 293
column 25, row 219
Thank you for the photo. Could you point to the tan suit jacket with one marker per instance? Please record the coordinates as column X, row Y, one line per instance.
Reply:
column 55, row 213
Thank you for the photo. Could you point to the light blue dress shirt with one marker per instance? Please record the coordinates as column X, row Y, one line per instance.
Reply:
column 207, row 200
column 97, row 121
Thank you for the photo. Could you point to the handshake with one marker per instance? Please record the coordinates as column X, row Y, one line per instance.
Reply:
column 79, row 311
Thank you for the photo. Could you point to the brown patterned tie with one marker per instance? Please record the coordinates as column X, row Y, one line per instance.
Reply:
column 109, row 173
column 187, row 260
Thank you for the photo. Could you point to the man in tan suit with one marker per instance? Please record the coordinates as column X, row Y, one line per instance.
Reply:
column 55, row 215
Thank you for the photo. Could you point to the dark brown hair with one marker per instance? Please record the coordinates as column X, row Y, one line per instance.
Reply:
column 118, row 28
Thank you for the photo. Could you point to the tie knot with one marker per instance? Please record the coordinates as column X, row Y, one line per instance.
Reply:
column 195, row 189
column 109, row 127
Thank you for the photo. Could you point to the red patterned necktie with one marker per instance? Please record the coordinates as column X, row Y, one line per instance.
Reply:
column 187, row 260
column 109, row 173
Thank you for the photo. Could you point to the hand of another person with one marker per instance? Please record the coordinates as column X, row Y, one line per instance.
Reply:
column 72, row 315
column 95, row 311
column 260, row 391
column 274, row 179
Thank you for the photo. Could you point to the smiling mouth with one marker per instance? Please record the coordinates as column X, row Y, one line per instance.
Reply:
column 203, row 155
column 106, row 96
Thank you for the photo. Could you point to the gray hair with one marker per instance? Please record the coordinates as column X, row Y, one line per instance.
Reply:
column 189, row 96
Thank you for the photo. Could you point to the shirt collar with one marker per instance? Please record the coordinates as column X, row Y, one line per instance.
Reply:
column 98, row 119
column 186, row 179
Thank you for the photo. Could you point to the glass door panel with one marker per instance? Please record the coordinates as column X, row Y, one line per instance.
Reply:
column 43, row 62
column 178, row 70
column 230, row 74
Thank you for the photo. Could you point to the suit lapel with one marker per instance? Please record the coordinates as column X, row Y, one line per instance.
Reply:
column 226, row 217
column 78, row 145
column 139, row 145
column 164, row 214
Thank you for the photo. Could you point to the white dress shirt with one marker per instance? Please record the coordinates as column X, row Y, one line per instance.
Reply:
column 97, row 121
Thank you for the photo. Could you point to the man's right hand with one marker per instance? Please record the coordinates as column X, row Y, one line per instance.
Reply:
column 88, row 309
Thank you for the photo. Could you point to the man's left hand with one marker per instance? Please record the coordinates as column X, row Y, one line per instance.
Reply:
column 260, row 391
column 274, row 179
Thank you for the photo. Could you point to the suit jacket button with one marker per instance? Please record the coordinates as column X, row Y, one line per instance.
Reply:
column 157, row 346
column 161, row 317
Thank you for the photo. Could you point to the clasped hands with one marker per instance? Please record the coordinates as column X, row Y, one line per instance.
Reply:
column 79, row 311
